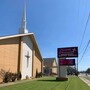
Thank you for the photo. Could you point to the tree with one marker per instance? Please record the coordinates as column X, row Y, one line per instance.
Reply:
column 71, row 71
column 88, row 71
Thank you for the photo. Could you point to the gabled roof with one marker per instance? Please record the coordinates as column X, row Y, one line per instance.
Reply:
column 13, row 36
column 21, row 35
column 48, row 62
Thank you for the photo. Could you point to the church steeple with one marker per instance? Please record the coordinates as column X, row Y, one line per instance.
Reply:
column 23, row 28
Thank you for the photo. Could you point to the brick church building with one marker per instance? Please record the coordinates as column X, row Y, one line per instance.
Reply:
column 20, row 53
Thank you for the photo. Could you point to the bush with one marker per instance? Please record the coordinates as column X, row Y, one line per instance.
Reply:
column 19, row 76
column 38, row 75
column 9, row 77
column 13, row 78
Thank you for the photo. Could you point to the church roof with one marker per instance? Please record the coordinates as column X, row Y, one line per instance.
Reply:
column 21, row 35
column 13, row 36
column 48, row 62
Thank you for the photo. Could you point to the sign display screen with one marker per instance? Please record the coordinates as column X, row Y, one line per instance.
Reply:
column 68, row 62
column 67, row 52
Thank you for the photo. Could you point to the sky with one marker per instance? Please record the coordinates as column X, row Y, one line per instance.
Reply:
column 55, row 24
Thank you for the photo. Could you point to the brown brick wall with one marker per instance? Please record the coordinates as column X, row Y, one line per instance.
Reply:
column 37, row 64
column 9, row 54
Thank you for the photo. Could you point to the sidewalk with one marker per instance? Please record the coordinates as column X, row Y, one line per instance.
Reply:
column 85, row 80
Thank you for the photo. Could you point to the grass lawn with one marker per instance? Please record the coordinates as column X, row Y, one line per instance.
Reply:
column 74, row 83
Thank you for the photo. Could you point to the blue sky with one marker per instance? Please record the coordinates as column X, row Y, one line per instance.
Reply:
column 55, row 23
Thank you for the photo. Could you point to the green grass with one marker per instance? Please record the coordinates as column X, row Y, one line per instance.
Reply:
column 74, row 83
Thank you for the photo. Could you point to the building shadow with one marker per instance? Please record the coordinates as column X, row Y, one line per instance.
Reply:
column 54, row 80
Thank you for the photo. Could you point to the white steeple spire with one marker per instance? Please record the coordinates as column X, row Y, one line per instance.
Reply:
column 23, row 28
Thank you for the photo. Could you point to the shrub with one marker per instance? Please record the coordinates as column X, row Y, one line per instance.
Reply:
column 38, row 75
column 13, row 78
column 19, row 76
column 9, row 77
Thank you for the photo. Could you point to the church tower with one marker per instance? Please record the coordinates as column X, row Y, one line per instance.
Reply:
column 20, row 53
column 23, row 28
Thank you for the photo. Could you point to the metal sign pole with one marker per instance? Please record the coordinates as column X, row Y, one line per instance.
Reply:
column 77, row 64
column 58, row 68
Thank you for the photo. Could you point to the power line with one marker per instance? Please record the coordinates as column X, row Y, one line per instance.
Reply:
column 84, row 31
column 84, row 51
